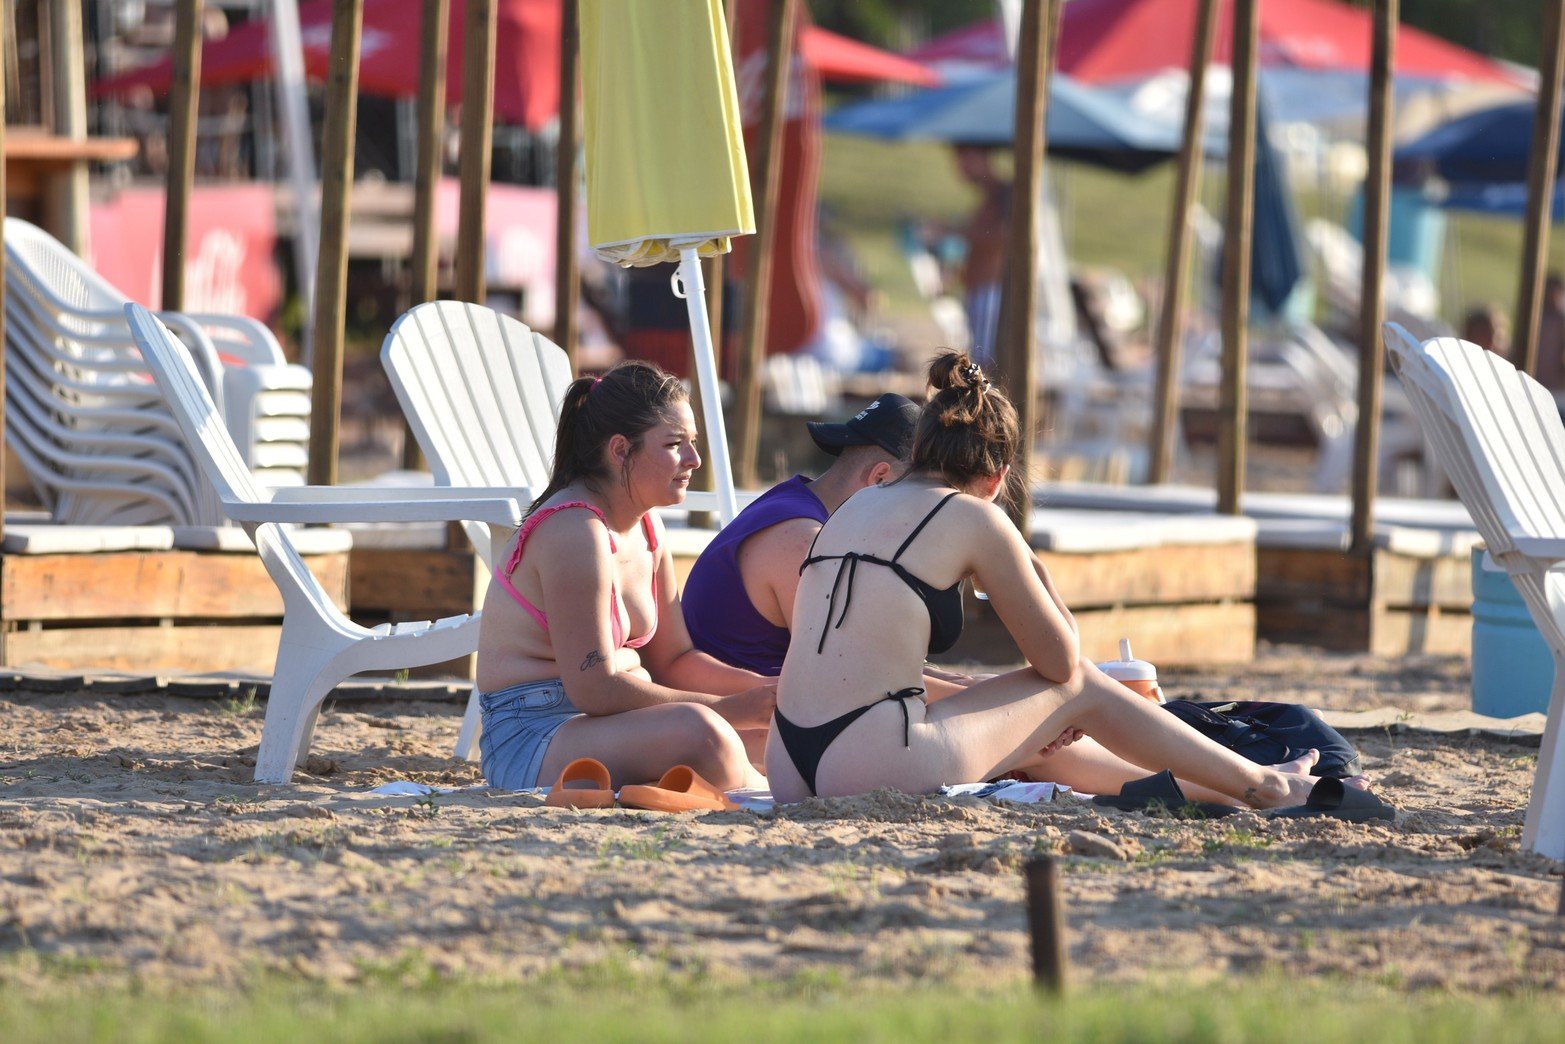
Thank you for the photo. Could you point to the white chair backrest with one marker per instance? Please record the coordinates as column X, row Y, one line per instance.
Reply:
column 196, row 414
column 481, row 391
column 1497, row 433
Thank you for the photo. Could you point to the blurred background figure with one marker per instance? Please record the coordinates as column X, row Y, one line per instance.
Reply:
column 1485, row 326
column 983, row 271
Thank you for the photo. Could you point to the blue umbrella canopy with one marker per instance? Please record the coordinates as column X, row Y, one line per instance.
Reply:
column 1083, row 123
column 1489, row 146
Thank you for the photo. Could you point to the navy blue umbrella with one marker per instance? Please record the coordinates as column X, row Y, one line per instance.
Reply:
column 1489, row 146
column 1083, row 123
column 1275, row 268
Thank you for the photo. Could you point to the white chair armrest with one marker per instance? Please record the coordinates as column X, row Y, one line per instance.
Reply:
column 501, row 507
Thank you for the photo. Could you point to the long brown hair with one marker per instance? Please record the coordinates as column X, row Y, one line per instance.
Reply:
column 968, row 428
column 629, row 399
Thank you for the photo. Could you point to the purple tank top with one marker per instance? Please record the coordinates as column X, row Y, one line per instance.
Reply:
column 718, row 613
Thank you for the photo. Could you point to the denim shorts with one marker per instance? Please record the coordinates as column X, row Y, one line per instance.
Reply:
column 519, row 722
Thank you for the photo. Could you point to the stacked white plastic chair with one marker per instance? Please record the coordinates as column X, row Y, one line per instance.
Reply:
column 1497, row 433
column 80, row 395
column 319, row 646
column 482, row 394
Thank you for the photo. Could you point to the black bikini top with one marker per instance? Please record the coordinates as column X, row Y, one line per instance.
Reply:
column 944, row 607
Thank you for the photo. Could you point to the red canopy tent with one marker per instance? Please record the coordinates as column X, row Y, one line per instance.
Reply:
column 527, row 50
column 1103, row 41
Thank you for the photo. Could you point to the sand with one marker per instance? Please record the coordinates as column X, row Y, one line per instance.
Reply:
column 134, row 847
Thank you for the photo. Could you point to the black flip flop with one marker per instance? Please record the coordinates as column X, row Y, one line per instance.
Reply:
column 1162, row 793
column 1335, row 799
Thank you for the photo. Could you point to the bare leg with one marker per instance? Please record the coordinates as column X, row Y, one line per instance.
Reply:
column 639, row 746
column 1092, row 768
column 998, row 724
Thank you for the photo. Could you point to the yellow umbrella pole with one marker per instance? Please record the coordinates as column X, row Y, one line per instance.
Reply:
column 689, row 285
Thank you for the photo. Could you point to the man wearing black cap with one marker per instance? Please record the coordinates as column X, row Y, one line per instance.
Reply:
column 738, row 600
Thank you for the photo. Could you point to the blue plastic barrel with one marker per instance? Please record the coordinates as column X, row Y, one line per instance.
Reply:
column 1513, row 672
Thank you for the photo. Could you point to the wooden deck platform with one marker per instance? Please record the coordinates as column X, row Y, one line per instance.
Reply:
column 154, row 607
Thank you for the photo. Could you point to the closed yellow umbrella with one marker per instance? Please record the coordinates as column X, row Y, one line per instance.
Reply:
column 666, row 174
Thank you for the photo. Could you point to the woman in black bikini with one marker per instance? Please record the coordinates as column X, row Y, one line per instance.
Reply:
column 879, row 592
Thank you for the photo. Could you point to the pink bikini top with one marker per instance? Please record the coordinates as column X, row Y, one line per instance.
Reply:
column 620, row 626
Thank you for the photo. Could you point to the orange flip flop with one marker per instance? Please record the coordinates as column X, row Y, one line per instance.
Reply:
column 680, row 790
column 584, row 783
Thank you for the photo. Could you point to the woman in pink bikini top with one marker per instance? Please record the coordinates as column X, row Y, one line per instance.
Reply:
column 583, row 650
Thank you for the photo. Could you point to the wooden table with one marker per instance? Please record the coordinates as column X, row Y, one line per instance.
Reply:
column 35, row 159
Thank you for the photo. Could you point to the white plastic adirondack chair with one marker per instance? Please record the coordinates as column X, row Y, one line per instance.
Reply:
column 1497, row 433
column 320, row 646
column 482, row 394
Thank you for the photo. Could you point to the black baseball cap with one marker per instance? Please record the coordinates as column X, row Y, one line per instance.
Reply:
column 887, row 422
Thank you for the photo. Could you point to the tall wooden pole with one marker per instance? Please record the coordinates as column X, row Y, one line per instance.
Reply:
column 1377, row 200
column 435, row 31
column 1232, row 419
column 1541, row 168
column 68, row 193
column 1171, row 316
column 765, row 177
column 183, row 105
column 567, row 278
column 1019, row 304
column 342, row 104
column 477, row 138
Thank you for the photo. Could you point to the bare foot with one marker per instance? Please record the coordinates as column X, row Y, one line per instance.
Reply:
column 1291, row 784
column 1302, row 764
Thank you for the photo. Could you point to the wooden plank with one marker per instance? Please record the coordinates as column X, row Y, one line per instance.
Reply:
column 403, row 584
column 1155, row 576
column 1402, row 580
column 1304, row 574
column 1379, row 629
column 242, row 647
column 1398, row 632
column 151, row 584
column 1185, row 635
column 1336, row 577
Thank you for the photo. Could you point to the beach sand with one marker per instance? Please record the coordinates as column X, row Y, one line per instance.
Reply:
column 134, row 847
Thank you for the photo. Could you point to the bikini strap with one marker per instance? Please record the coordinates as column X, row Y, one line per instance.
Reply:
column 920, row 527
column 532, row 521
column 912, row 692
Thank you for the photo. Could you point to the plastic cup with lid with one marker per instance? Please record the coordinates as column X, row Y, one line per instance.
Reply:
column 1138, row 676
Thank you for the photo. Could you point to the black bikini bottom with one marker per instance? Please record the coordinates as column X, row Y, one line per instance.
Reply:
column 806, row 746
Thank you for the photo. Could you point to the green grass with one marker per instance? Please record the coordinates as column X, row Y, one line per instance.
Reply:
column 1112, row 220
column 617, row 1001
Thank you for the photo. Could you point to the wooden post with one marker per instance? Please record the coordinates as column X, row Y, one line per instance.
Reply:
column 435, row 37
column 567, row 278
column 1045, row 919
column 1377, row 199
column 436, row 29
column 1541, row 170
column 1019, row 303
column 68, row 193
column 477, row 140
column 1171, row 317
column 1232, row 419
column 342, row 103
column 764, row 178
column 183, row 105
